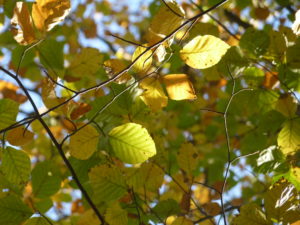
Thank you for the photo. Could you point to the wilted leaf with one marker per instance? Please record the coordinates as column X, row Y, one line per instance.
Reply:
column 22, row 26
column 153, row 95
column 203, row 51
column 132, row 143
column 48, row 13
column 114, row 66
column 84, row 142
column 19, row 136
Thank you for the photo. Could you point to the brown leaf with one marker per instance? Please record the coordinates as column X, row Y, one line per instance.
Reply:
column 9, row 90
column 22, row 27
column 212, row 208
column 80, row 110
column 19, row 136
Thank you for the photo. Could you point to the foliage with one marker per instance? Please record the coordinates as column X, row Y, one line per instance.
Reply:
column 161, row 112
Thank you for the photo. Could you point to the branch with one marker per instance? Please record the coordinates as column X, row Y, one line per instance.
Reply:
column 235, row 18
column 57, row 145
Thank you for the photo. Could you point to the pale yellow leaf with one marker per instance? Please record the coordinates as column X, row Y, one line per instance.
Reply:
column 19, row 136
column 114, row 66
column 165, row 21
column 144, row 61
column 203, row 51
column 296, row 24
column 22, row 26
column 48, row 13
column 153, row 95
column 179, row 87
column 84, row 143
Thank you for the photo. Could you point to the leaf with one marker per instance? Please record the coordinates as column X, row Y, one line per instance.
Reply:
column 114, row 66
column 296, row 24
column 165, row 208
column 203, row 51
column 19, row 136
column 115, row 215
column 16, row 166
column 88, row 217
column 142, row 59
column 107, row 183
column 153, row 96
column 182, row 221
column 51, row 54
column 281, row 203
column 251, row 214
column 8, row 112
column 212, row 208
column 179, row 87
column 287, row 105
column 45, row 179
column 13, row 211
column 289, row 136
column 132, row 143
column 165, row 21
column 48, row 13
column 84, row 142
column 187, row 158
column 37, row 221
column 22, row 26
column 9, row 90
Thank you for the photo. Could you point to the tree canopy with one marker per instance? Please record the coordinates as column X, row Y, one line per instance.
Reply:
column 174, row 112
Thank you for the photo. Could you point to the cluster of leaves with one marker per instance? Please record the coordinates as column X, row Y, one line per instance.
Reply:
column 160, row 133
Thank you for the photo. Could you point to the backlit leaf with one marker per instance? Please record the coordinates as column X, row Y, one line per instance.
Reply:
column 37, row 221
column 144, row 62
column 13, row 211
column 22, row 26
column 132, row 143
column 115, row 215
column 187, row 158
column 88, row 217
column 289, row 136
column 203, row 51
column 251, row 214
column 107, row 183
column 16, row 165
column 84, row 142
column 48, row 13
column 296, row 24
column 153, row 96
column 114, row 66
column 179, row 87
column 287, row 105
column 19, row 136
column 182, row 221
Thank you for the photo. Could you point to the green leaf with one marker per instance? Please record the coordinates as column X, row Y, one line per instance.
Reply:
column 255, row 42
column 164, row 209
column 16, row 165
column 203, row 51
column 289, row 136
column 115, row 215
column 37, row 221
column 251, row 214
column 13, row 211
column 8, row 112
column 254, row 76
column 132, row 143
column 51, row 54
column 108, row 183
column 45, row 179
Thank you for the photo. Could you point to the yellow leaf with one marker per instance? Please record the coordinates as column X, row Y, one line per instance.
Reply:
column 203, row 51
column 88, row 217
column 179, row 87
column 115, row 215
column 165, row 21
column 48, row 13
column 145, row 59
column 19, row 136
column 289, row 137
column 114, row 66
column 182, row 221
column 21, row 18
column 287, row 105
column 84, row 143
column 154, row 95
